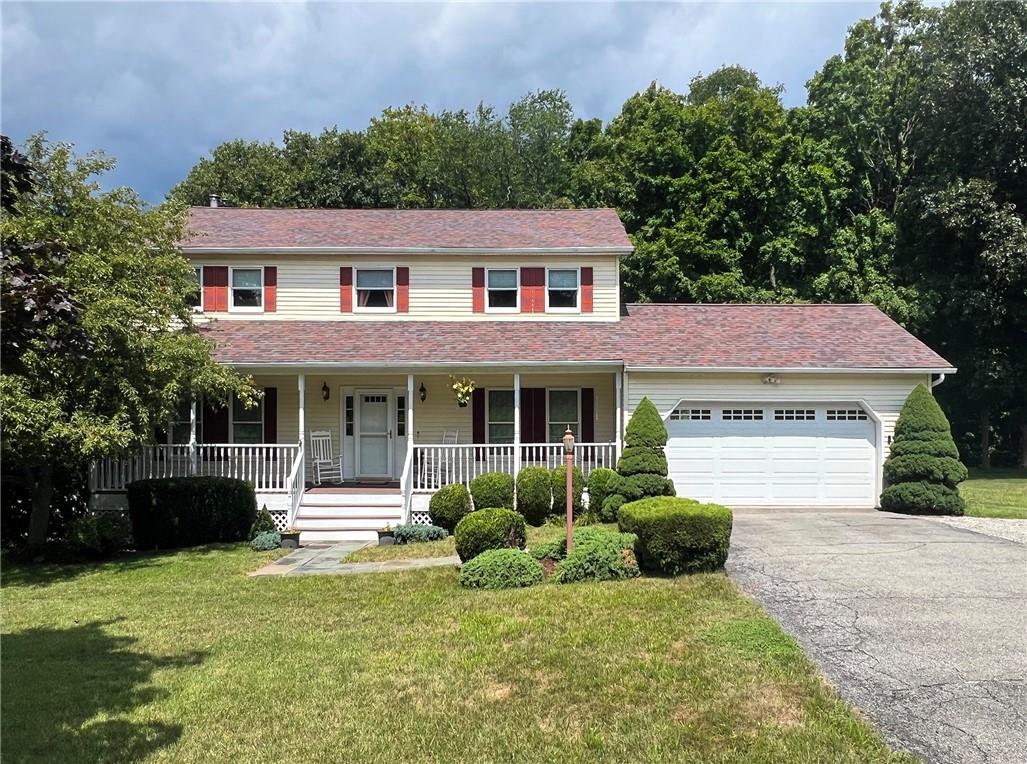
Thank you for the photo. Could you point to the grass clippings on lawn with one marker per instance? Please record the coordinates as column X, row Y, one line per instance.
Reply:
column 996, row 493
column 182, row 657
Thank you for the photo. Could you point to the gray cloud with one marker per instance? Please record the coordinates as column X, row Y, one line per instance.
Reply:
column 159, row 85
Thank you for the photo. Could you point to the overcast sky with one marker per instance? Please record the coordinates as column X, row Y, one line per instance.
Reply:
column 159, row 85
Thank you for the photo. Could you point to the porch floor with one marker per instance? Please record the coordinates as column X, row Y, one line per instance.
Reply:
column 355, row 487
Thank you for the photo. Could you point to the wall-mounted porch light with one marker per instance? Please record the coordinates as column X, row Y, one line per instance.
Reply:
column 422, row 392
column 326, row 393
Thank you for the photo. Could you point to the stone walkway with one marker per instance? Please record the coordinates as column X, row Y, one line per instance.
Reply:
column 326, row 560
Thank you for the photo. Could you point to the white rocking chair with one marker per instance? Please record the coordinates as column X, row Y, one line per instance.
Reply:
column 436, row 466
column 325, row 464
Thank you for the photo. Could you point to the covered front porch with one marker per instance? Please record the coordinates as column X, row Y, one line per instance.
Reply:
column 404, row 433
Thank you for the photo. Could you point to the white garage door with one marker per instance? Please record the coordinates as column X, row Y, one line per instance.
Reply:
column 757, row 454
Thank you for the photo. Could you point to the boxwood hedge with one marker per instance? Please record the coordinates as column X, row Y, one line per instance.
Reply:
column 186, row 511
column 678, row 535
column 489, row 528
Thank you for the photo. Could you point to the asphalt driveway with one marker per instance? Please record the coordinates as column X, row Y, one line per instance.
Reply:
column 921, row 625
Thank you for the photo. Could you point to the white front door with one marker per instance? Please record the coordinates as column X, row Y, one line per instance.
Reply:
column 374, row 433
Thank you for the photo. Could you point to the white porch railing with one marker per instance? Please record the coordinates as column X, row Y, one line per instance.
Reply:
column 436, row 465
column 269, row 467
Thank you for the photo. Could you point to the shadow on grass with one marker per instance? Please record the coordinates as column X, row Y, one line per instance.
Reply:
column 54, row 684
column 18, row 572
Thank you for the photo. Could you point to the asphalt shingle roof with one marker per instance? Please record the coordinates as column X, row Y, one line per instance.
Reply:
column 671, row 336
column 241, row 228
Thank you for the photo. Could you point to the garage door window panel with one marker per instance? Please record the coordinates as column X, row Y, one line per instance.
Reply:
column 693, row 415
column 795, row 415
column 742, row 415
column 846, row 415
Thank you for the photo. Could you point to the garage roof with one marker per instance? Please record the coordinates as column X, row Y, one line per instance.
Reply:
column 679, row 337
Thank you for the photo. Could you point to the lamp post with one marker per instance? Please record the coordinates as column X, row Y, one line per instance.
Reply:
column 568, row 460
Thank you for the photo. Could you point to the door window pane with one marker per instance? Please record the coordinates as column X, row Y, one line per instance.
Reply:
column 247, row 287
column 563, row 289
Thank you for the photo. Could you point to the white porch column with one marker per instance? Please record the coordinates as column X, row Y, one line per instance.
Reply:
column 517, row 424
column 410, row 425
column 192, row 436
column 618, row 397
column 301, row 382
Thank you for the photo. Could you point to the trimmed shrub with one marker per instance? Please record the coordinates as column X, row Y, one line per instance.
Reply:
column 100, row 534
column 922, row 498
column 265, row 542
column 418, row 534
column 501, row 569
column 548, row 550
column 642, row 466
column 264, row 523
column 558, row 477
column 449, row 505
column 557, row 548
column 534, row 494
column 179, row 512
column 598, row 481
column 678, row 535
column 493, row 489
column 489, row 528
column 923, row 468
column 600, row 559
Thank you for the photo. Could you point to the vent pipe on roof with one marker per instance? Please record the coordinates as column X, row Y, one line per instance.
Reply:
column 215, row 200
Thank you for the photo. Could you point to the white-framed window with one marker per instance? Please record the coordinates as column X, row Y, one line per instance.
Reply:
column 741, row 415
column 246, row 425
column 846, row 415
column 690, row 414
column 246, row 289
column 795, row 415
column 563, row 288
column 375, row 290
column 499, row 415
column 502, row 292
column 195, row 299
column 563, row 410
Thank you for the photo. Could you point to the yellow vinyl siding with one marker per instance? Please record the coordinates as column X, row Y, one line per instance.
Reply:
column 440, row 286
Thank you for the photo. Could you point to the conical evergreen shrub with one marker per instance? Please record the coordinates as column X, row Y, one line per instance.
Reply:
column 923, row 468
column 642, row 467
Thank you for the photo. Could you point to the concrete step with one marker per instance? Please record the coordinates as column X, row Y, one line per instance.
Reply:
column 312, row 537
column 352, row 500
column 349, row 511
column 345, row 523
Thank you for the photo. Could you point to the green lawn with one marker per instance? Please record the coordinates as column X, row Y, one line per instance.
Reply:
column 444, row 548
column 182, row 657
column 996, row 493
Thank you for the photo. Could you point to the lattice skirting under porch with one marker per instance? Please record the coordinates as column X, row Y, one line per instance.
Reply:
column 281, row 518
column 420, row 518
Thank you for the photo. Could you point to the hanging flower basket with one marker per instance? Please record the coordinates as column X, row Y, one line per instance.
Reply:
column 462, row 388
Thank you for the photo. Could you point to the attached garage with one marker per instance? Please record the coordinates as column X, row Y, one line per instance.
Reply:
column 774, row 453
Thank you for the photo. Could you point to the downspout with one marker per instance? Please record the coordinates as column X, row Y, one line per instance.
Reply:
column 938, row 381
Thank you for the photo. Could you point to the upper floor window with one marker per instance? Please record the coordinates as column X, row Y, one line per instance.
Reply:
column 247, row 290
column 502, row 289
column 562, row 286
column 195, row 298
column 376, row 289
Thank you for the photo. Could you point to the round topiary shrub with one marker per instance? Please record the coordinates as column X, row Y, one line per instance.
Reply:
column 635, row 487
column 264, row 523
column 501, row 569
column 558, row 478
column 923, row 468
column 678, row 535
column 598, row 480
column 490, row 528
column 265, row 542
column 449, row 505
column 534, row 494
column 493, row 489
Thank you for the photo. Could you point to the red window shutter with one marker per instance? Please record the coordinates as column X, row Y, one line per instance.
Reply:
column 215, row 421
column 346, row 289
column 478, row 433
column 588, row 413
column 403, row 290
column 215, row 288
column 270, row 415
column 270, row 288
column 533, row 297
column 586, row 290
column 478, row 291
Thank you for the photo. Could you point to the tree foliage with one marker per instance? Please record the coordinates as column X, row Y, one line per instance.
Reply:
column 99, row 346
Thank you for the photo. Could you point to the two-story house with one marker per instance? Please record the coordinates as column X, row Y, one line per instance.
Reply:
column 356, row 322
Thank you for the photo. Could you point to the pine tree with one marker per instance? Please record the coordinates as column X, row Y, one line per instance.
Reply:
column 923, row 468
